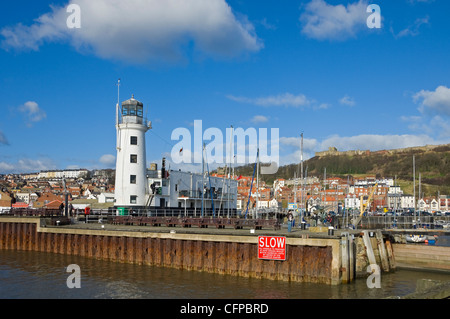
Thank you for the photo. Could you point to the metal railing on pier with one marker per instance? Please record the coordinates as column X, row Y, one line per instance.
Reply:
column 200, row 222
column 404, row 222
column 340, row 222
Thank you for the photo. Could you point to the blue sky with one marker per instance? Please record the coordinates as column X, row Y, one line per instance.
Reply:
column 300, row 66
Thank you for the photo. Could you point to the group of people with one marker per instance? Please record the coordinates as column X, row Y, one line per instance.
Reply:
column 313, row 219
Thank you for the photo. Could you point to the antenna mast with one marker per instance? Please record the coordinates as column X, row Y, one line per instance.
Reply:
column 118, row 102
column 118, row 91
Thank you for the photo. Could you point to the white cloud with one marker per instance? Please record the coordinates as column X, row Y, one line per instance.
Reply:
column 434, row 108
column 417, row 124
column 413, row 29
column 418, row 1
column 323, row 21
column 32, row 112
column 108, row 159
column 138, row 31
column 309, row 144
column 437, row 101
column 441, row 125
column 6, row 167
column 347, row 100
column 321, row 106
column 259, row 119
column 376, row 142
column 27, row 165
column 291, row 151
column 267, row 25
column 286, row 99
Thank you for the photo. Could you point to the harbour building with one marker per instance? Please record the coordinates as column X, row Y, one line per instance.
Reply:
column 152, row 190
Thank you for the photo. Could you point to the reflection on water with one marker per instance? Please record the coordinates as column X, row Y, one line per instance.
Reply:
column 43, row 275
column 443, row 241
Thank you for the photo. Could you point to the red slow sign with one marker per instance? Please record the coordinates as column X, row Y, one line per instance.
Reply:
column 272, row 247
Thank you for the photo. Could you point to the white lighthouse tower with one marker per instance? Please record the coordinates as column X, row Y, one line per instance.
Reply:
column 131, row 177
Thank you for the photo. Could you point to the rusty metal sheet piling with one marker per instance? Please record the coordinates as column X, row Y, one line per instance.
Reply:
column 307, row 260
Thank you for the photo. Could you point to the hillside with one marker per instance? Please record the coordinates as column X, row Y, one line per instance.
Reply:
column 433, row 163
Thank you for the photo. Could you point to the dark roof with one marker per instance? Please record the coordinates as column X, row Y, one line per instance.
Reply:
column 132, row 101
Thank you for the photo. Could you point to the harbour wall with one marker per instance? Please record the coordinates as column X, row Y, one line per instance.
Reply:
column 423, row 257
column 318, row 260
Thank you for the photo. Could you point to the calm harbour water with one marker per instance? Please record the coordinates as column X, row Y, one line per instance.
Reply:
column 35, row 275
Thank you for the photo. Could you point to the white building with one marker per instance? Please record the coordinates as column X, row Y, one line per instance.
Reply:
column 263, row 204
column 106, row 198
column 399, row 201
column 273, row 203
column 386, row 181
column 131, row 183
column 278, row 184
column 60, row 174
column 314, row 201
column 395, row 190
column 26, row 197
column 353, row 202
column 429, row 205
column 184, row 190
column 407, row 201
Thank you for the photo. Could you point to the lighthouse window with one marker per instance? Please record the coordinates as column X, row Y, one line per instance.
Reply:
column 133, row 140
column 133, row 199
column 132, row 179
column 133, row 158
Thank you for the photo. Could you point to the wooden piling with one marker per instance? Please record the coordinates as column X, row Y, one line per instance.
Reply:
column 351, row 257
column 345, row 269
column 391, row 257
column 382, row 251
column 369, row 249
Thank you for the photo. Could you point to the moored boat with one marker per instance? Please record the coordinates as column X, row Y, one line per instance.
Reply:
column 421, row 239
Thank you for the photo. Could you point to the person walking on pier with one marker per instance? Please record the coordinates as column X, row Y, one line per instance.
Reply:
column 290, row 217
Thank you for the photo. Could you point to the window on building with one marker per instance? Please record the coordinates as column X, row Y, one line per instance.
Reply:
column 133, row 140
column 133, row 158
column 133, row 199
column 132, row 179
column 132, row 109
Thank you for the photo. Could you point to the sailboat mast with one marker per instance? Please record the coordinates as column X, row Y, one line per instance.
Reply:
column 229, row 172
column 301, row 179
column 257, row 184
column 251, row 186
column 203, row 178
column 414, row 184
